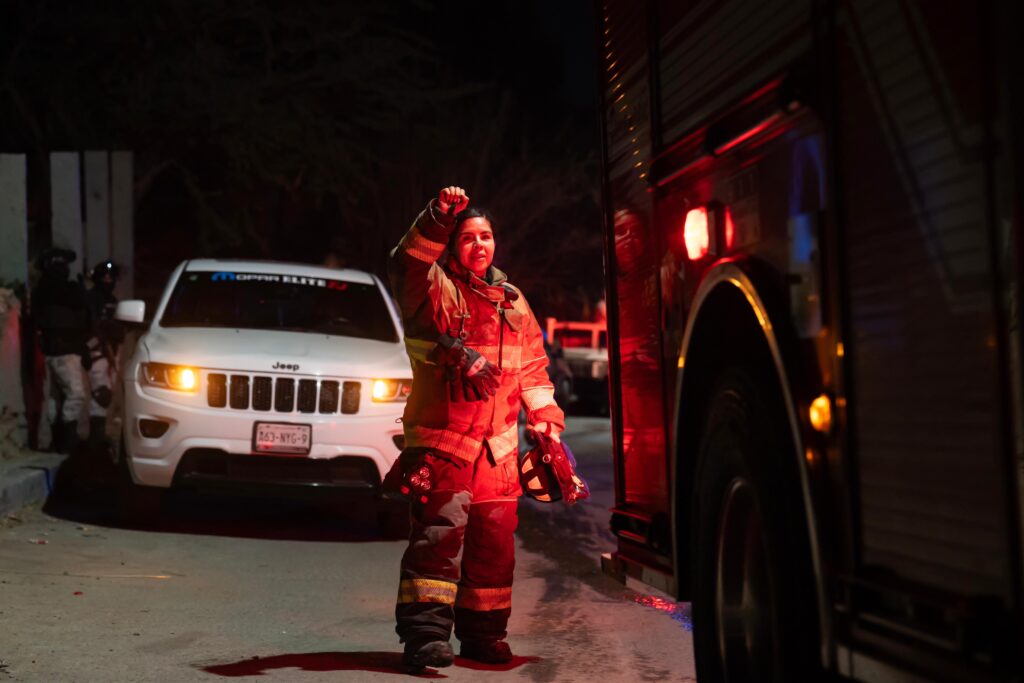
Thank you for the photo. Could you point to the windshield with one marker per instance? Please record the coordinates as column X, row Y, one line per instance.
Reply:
column 270, row 301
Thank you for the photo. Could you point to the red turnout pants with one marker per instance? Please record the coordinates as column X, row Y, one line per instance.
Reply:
column 461, row 555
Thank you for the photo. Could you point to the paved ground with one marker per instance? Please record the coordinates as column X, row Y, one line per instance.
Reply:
column 286, row 591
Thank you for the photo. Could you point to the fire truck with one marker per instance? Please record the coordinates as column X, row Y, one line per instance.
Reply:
column 814, row 256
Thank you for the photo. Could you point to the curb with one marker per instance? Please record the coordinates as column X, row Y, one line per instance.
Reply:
column 27, row 481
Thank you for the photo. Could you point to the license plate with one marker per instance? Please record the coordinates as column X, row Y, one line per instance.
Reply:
column 282, row 437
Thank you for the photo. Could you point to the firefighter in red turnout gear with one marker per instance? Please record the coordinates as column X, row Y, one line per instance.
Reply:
column 477, row 354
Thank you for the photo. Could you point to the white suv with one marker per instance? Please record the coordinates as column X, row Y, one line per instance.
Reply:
column 257, row 372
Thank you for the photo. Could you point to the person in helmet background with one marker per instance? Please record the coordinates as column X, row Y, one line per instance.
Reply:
column 103, row 344
column 60, row 314
column 477, row 354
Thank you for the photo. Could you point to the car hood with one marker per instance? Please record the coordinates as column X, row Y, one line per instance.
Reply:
column 261, row 350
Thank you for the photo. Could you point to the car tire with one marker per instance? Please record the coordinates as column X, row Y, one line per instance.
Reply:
column 750, row 565
column 136, row 505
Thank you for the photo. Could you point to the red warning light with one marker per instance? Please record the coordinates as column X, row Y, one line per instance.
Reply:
column 695, row 233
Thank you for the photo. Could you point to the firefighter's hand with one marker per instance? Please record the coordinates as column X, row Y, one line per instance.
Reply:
column 548, row 429
column 452, row 198
column 470, row 375
column 481, row 376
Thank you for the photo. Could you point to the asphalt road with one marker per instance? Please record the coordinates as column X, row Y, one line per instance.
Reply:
column 227, row 587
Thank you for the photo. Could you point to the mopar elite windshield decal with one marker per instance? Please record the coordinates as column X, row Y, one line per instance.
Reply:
column 224, row 276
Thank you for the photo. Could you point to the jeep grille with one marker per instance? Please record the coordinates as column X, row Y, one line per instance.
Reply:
column 263, row 393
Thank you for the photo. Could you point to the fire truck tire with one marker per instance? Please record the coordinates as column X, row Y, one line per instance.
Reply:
column 751, row 568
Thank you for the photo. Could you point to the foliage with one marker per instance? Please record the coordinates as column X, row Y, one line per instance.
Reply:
column 274, row 129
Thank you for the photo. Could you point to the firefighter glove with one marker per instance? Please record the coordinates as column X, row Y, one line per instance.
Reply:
column 548, row 429
column 471, row 376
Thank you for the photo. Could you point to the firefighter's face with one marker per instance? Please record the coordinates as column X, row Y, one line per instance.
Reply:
column 474, row 246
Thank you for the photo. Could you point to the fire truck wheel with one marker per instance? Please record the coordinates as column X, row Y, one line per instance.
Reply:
column 750, row 567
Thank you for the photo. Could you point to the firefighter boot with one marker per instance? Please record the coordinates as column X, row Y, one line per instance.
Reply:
column 486, row 651
column 419, row 654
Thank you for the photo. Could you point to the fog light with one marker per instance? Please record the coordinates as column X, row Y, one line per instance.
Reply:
column 153, row 429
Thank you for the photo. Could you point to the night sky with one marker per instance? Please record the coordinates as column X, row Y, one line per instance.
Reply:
column 287, row 130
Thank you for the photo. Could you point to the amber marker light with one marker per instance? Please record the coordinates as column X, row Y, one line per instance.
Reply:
column 821, row 414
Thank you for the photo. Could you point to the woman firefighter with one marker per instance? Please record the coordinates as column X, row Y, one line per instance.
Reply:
column 477, row 353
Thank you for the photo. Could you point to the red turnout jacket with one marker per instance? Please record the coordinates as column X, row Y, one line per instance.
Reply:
column 494, row 319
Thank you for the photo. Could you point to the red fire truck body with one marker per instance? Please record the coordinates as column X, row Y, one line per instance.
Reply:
column 813, row 258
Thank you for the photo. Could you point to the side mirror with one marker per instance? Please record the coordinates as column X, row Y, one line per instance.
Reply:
column 131, row 311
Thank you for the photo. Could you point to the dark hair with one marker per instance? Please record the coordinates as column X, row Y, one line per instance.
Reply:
column 465, row 215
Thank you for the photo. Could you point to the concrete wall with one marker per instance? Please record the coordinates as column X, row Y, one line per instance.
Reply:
column 105, row 181
column 122, row 220
column 13, row 219
column 97, row 208
column 66, row 204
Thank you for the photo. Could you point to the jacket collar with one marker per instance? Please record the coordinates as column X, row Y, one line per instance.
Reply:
column 492, row 288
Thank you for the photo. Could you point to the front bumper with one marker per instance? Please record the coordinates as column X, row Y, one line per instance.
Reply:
column 214, row 445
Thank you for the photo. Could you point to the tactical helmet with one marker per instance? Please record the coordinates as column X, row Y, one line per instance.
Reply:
column 55, row 257
column 103, row 268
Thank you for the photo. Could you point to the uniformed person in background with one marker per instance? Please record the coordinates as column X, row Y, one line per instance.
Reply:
column 103, row 345
column 61, row 316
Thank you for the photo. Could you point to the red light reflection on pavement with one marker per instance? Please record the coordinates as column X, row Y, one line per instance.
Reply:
column 516, row 662
column 376, row 662
column 679, row 611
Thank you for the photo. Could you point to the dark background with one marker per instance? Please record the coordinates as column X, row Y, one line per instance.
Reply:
column 291, row 130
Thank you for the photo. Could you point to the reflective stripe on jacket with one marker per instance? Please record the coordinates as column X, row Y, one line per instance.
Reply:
column 494, row 320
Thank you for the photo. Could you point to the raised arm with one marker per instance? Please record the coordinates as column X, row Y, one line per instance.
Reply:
column 416, row 277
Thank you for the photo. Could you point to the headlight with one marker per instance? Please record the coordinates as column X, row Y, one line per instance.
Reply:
column 166, row 376
column 391, row 389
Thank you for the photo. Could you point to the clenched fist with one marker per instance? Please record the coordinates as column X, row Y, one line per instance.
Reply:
column 452, row 197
